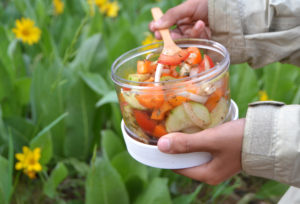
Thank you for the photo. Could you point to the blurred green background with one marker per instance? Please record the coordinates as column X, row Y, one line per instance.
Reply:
column 56, row 95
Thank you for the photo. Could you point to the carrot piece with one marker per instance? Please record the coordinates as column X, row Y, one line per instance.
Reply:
column 213, row 99
column 177, row 100
column 153, row 98
column 144, row 67
column 159, row 113
column 196, row 58
column 159, row 131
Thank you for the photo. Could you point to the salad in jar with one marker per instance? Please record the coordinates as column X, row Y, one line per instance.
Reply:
column 184, row 93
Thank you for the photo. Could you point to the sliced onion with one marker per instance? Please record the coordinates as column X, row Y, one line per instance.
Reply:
column 149, row 55
column 158, row 72
column 166, row 71
column 194, row 97
column 194, row 71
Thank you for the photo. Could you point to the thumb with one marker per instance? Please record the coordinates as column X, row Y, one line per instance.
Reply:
column 184, row 143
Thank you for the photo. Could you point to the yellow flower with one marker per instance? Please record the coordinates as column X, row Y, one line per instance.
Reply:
column 29, row 161
column 112, row 9
column 263, row 96
column 100, row 3
column 150, row 39
column 26, row 31
column 58, row 7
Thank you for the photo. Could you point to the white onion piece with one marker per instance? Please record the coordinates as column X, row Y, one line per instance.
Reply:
column 166, row 71
column 194, row 97
column 148, row 56
column 194, row 71
column 158, row 72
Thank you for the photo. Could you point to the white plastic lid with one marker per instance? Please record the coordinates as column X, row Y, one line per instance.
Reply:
column 151, row 156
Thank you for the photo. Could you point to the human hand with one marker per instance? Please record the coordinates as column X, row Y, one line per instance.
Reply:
column 190, row 17
column 224, row 142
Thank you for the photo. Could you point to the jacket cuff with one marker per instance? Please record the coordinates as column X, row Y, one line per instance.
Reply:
column 258, row 157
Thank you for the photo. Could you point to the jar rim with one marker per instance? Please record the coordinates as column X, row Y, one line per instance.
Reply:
column 215, row 71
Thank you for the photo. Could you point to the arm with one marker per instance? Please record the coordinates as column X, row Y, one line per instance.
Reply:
column 271, row 144
column 257, row 32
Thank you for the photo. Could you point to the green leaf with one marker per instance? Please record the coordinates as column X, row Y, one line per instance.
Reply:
column 156, row 193
column 86, row 52
column 243, row 86
column 187, row 199
column 80, row 106
column 271, row 189
column 96, row 82
column 23, row 89
column 280, row 81
column 133, row 173
column 104, row 185
column 110, row 97
column 81, row 168
column 58, row 174
column 128, row 167
column 111, row 144
column 43, row 140
column 4, row 181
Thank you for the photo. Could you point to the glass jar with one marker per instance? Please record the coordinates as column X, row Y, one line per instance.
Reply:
column 189, row 104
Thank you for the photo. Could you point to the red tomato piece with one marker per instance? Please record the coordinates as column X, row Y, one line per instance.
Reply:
column 196, row 58
column 174, row 59
column 144, row 121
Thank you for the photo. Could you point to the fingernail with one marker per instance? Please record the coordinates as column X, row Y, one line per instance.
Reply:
column 157, row 23
column 164, row 144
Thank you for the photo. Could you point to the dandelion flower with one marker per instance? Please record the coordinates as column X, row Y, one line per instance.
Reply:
column 100, row 3
column 263, row 96
column 29, row 161
column 26, row 31
column 58, row 7
column 150, row 39
column 112, row 9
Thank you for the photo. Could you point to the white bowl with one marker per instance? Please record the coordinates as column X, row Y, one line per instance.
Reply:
column 151, row 156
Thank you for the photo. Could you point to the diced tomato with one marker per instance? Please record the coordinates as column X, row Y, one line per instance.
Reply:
column 152, row 98
column 213, row 99
column 159, row 113
column 195, row 55
column 144, row 121
column 174, row 59
column 206, row 63
column 145, row 67
column 159, row 131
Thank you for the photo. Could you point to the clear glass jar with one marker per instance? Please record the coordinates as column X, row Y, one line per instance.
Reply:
column 189, row 104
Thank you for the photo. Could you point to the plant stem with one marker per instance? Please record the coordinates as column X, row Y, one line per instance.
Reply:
column 70, row 49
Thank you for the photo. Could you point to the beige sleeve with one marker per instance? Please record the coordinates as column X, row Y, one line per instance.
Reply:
column 257, row 31
column 271, row 144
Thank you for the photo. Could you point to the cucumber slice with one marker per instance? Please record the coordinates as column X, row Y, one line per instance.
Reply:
column 219, row 113
column 191, row 130
column 178, row 120
column 166, row 78
column 131, row 100
column 198, row 114
column 138, row 77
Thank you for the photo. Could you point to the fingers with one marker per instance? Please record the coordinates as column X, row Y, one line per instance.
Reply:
column 212, row 173
column 183, row 143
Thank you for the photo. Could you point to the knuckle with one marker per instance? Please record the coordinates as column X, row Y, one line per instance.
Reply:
column 181, row 144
